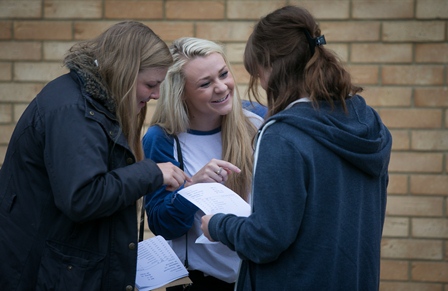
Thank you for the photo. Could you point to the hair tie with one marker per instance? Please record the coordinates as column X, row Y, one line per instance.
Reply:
column 313, row 42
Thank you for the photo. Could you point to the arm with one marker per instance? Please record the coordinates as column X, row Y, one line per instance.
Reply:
column 77, row 158
column 169, row 214
column 279, row 198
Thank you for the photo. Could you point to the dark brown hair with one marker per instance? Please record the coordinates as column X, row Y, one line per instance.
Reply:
column 279, row 42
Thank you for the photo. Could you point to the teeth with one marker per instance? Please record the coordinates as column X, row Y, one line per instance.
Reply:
column 220, row 100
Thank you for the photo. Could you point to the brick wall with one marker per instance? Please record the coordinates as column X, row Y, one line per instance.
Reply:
column 396, row 49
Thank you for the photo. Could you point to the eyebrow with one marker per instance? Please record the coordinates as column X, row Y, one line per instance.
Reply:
column 208, row 77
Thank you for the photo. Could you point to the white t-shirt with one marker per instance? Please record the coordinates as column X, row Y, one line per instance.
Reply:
column 217, row 260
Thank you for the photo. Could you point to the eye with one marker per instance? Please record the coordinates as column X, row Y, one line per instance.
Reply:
column 204, row 85
column 224, row 74
column 151, row 86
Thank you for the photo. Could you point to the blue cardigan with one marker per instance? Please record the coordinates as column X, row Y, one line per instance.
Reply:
column 319, row 201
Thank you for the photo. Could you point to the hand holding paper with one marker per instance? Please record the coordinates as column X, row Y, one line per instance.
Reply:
column 214, row 198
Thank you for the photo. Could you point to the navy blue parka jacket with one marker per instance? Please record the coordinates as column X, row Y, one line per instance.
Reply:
column 68, row 191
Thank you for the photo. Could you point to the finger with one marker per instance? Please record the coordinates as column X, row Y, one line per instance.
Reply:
column 228, row 166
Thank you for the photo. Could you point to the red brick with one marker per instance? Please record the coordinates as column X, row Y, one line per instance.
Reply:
column 89, row 29
column 412, row 118
column 326, row 9
column 198, row 10
column 431, row 96
column 401, row 140
column 394, row 270
column 18, row 110
column 413, row 75
column 383, row 9
column 5, row 29
column 2, row 153
column 415, row 31
column 433, row 140
column 411, row 249
column 416, row 162
column 429, row 184
column 350, row 31
column 234, row 52
column 430, row 271
column 20, row 50
column 414, row 206
column 396, row 227
column 20, row 9
column 133, row 9
column 364, row 74
column 340, row 49
column 430, row 227
column 241, row 75
column 55, row 50
column 5, row 71
column 169, row 31
column 381, row 53
column 432, row 9
column 38, row 72
column 224, row 31
column 5, row 133
column 43, row 30
column 57, row 9
column 398, row 184
column 18, row 92
column 409, row 286
column 5, row 113
column 385, row 96
column 431, row 52
column 252, row 9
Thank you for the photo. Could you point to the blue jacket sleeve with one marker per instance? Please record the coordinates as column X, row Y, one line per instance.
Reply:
column 278, row 205
column 169, row 215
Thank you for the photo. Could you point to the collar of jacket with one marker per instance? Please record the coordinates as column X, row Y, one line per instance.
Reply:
column 91, row 83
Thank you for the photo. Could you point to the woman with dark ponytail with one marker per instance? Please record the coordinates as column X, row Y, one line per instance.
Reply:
column 320, row 168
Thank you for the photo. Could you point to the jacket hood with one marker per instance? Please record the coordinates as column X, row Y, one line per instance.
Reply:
column 86, row 69
column 358, row 136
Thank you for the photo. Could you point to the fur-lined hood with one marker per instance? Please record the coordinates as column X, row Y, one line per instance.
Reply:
column 86, row 67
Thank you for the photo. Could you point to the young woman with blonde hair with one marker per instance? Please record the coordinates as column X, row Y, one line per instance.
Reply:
column 200, row 106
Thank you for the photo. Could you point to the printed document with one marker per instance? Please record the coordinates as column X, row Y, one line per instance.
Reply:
column 157, row 264
column 214, row 198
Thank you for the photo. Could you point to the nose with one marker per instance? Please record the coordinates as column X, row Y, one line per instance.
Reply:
column 220, row 86
column 155, row 94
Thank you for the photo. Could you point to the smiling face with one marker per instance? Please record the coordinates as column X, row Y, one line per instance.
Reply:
column 148, row 85
column 209, row 88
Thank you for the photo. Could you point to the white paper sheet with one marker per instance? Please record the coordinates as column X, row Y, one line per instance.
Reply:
column 157, row 264
column 214, row 198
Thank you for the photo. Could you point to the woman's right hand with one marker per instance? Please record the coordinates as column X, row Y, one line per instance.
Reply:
column 173, row 176
column 214, row 171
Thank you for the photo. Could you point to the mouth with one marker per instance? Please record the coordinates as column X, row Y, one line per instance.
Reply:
column 222, row 99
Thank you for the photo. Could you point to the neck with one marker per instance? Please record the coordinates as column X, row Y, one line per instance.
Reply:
column 205, row 123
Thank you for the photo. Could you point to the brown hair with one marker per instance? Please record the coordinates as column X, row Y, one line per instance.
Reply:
column 121, row 52
column 279, row 42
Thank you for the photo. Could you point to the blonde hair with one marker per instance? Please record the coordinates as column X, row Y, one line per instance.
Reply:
column 121, row 52
column 171, row 112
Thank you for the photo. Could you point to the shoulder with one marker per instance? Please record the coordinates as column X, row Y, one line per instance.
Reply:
column 255, row 107
column 50, row 95
column 155, row 134
column 254, row 118
column 157, row 144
